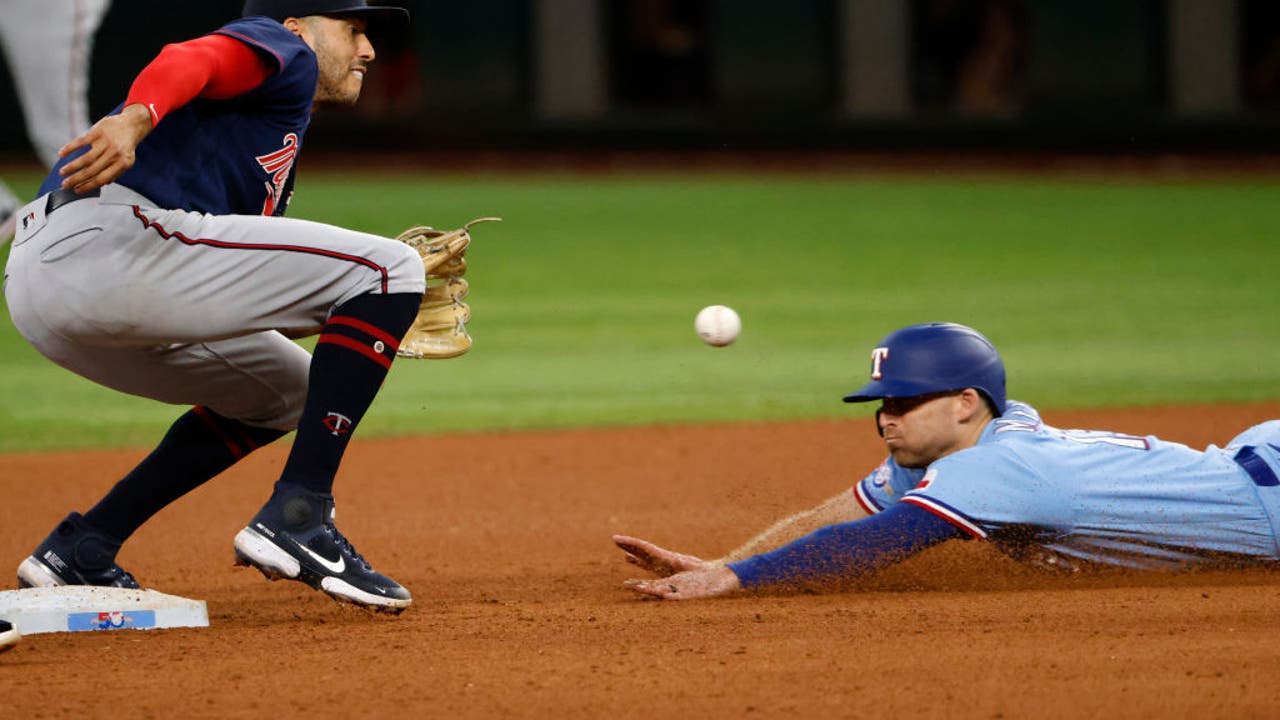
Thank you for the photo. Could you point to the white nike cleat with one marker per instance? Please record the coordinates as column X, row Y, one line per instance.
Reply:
column 293, row 537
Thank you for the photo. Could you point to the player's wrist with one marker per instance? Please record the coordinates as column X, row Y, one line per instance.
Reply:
column 141, row 115
column 726, row 581
column 748, row 572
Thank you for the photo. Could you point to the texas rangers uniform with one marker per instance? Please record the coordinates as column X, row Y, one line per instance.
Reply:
column 1069, row 498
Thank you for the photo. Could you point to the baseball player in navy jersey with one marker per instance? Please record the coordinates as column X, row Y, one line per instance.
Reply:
column 157, row 261
column 966, row 463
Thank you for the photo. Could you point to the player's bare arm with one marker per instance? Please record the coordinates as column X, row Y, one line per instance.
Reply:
column 833, row 554
column 111, row 143
column 841, row 508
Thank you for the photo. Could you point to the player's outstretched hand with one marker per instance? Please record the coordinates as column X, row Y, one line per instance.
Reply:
column 691, row 585
column 111, row 142
column 657, row 560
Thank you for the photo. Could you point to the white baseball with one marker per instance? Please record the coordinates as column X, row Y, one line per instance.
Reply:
column 718, row 325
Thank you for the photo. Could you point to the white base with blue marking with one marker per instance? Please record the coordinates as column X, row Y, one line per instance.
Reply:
column 76, row 608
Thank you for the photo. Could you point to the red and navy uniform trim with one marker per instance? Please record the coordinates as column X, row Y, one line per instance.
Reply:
column 355, row 334
column 864, row 498
column 946, row 512
column 239, row 445
column 382, row 271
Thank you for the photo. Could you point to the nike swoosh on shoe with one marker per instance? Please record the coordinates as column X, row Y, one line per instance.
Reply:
column 336, row 567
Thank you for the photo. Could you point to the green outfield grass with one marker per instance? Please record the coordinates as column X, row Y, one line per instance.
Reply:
column 1098, row 294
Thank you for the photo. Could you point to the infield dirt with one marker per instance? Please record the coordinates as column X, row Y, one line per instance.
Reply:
column 519, row 609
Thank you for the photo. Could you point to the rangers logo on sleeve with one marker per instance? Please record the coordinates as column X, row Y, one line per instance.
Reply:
column 880, row 478
column 278, row 165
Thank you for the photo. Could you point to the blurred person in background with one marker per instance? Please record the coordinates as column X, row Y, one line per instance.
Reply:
column 47, row 45
column 972, row 55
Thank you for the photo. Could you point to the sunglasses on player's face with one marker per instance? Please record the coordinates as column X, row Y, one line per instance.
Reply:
column 901, row 406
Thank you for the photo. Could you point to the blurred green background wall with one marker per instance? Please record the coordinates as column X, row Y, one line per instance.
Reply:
column 1100, row 288
column 1043, row 74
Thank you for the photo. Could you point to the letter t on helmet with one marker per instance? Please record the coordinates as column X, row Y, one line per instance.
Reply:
column 934, row 357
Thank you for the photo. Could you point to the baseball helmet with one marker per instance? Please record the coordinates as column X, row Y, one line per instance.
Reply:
column 934, row 357
column 278, row 10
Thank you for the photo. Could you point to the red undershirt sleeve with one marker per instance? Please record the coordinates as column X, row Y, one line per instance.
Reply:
column 214, row 66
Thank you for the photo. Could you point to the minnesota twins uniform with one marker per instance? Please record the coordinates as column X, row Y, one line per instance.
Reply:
column 180, row 281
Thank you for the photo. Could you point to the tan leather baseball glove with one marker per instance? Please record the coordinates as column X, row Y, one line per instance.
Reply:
column 440, row 330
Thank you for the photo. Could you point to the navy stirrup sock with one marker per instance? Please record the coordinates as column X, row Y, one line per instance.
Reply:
column 349, row 363
column 199, row 445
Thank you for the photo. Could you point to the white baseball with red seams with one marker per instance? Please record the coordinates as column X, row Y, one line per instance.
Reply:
column 718, row 325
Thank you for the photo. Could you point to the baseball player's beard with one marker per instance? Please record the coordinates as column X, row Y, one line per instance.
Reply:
column 909, row 456
column 338, row 83
column 341, row 93
column 909, row 460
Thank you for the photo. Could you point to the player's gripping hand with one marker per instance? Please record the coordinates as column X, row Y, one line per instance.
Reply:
column 111, row 144
column 658, row 560
column 708, row 582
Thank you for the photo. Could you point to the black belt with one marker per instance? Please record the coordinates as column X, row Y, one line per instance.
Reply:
column 1258, row 469
column 62, row 196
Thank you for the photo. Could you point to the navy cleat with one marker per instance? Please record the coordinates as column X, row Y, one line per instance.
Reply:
column 9, row 635
column 75, row 553
column 293, row 537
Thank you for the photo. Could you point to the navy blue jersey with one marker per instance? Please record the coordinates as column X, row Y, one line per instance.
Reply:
column 234, row 156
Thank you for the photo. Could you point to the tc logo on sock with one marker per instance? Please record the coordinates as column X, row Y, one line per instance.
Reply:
column 337, row 423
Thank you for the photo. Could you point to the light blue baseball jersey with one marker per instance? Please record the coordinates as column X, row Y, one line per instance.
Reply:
column 1068, row 498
